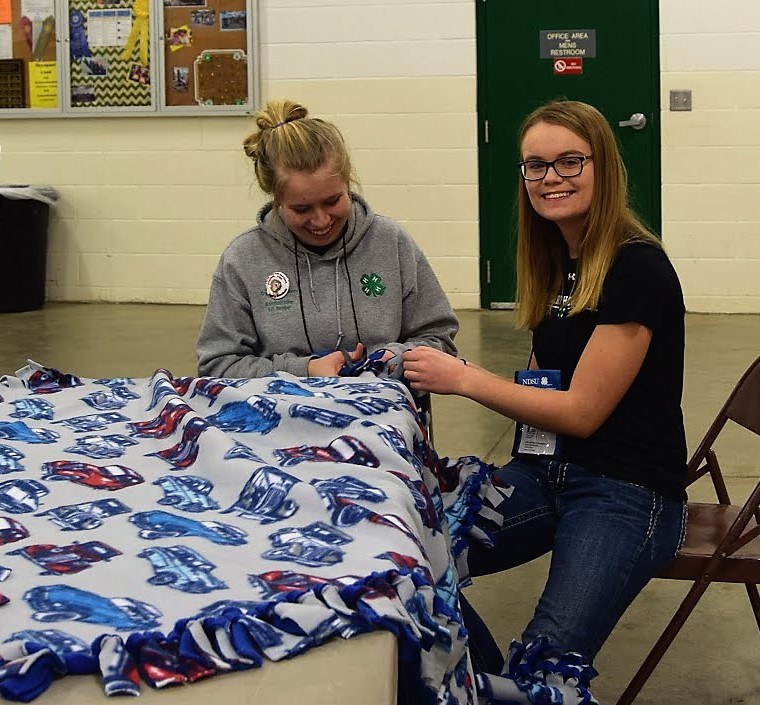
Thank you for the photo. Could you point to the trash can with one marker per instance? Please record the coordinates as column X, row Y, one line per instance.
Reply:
column 24, row 212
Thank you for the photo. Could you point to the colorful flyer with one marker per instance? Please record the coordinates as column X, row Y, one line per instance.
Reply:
column 6, row 12
column 43, row 84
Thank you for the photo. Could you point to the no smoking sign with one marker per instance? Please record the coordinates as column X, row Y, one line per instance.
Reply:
column 568, row 66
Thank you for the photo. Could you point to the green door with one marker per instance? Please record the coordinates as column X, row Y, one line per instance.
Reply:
column 601, row 52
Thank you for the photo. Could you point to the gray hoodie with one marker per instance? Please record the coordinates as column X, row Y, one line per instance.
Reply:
column 273, row 303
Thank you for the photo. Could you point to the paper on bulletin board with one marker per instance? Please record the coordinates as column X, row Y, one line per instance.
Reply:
column 43, row 84
column 108, row 28
column 6, row 42
column 36, row 11
column 6, row 13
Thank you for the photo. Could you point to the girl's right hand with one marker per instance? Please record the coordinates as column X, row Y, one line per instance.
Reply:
column 330, row 365
column 431, row 370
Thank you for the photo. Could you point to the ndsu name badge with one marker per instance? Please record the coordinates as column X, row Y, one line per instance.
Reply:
column 278, row 285
column 528, row 439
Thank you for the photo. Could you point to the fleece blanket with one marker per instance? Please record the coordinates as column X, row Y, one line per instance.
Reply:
column 165, row 529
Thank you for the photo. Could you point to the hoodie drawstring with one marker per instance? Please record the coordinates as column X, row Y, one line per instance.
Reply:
column 341, row 336
column 311, row 282
column 300, row 295
column 350, row 288
column 337, row 302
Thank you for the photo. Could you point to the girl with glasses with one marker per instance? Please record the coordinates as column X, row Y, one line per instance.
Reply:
column 599, row 463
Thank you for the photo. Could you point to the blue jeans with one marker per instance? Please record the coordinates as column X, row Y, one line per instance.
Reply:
column 608, row 537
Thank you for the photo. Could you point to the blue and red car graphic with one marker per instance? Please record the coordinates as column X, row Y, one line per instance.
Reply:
column 49, row 381
column 344, row 449
column 256, row 414
column 86, row 515
column 157, row 524
column 181, row 568
column 264, row 497
column 66, row 560
column 19, row 431
column 315, row 545
column 10, row 460
column 165, row 423
column 11, row 531
column 21, row 496
column 276, row 582
column 34, row 408
column 188, row 493
column 101, row 447
column 105, row 477
column 58, row 603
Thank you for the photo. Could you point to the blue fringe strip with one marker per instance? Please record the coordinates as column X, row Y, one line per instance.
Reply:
column 239, row 640
column 539, row 673
column 465, row 485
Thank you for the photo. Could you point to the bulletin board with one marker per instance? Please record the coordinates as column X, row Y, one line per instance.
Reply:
column 61, row 58
column 28, row 66
column 206, row 60
column 109, row 54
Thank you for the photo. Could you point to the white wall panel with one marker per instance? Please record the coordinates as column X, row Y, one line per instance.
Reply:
column 370, row 23
column 453, row 57
column 711, row 52
column 711, row 217
column 706, row 16
column 361, row 3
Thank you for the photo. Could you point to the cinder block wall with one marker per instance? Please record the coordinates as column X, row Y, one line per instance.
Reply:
column 711, row 190
column 147, row 204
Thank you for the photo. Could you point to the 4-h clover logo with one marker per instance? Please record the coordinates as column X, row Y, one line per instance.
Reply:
column 372, row 285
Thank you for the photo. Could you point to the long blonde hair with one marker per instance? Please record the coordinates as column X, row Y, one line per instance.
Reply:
column 610, row 222
column 286, row 139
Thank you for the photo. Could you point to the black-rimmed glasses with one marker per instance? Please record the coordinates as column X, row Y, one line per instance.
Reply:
column 566, row 167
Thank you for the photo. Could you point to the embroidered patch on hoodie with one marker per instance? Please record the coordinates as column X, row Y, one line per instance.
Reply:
column 372, row 285
column 278, row 285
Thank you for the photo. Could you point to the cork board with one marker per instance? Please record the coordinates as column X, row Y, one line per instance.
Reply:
column 206, row 59
column 221, row 78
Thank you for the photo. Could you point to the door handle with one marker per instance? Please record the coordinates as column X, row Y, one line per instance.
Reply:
column 637, row 121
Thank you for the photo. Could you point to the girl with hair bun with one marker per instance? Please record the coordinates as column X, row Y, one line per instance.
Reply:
column 599, row 461
column 321, row 280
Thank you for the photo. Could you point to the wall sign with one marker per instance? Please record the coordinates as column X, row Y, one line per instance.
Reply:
column 562, row 43
column 570, row 66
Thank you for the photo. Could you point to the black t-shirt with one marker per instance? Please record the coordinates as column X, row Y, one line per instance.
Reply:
column 643, row 440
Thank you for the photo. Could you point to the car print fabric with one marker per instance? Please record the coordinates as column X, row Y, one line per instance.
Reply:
column 167, row 529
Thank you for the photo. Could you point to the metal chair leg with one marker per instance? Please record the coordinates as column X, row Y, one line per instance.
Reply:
column 665, row 640
column 754, row 600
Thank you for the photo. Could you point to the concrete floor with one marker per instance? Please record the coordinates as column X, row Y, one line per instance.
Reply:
column 714, row 659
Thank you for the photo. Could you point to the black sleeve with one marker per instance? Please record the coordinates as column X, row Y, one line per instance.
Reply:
column 641, row 287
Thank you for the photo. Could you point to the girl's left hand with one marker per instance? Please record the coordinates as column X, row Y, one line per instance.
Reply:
column 431, row 370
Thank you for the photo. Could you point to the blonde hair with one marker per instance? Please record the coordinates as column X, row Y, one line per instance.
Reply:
column 610, row 222
column 286, row 139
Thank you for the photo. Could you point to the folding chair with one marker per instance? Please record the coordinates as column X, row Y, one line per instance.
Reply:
column 425, row 407
column 722, row 542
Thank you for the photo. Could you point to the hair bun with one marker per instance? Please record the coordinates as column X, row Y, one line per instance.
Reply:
column 278, row 113
column 305, row 146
